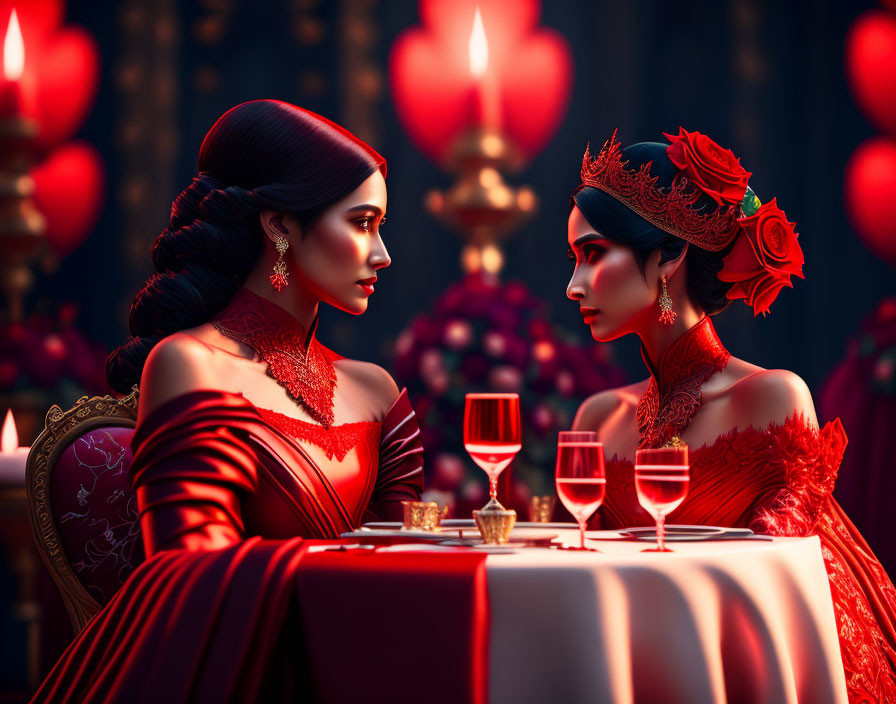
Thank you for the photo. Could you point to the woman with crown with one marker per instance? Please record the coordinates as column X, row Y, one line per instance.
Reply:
column 664, row 236
column 250, row 435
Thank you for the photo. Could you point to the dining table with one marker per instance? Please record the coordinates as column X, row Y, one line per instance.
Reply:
column 716, row 620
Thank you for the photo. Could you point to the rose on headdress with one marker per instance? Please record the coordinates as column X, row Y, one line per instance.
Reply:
column 764, row 258
column 711, row 168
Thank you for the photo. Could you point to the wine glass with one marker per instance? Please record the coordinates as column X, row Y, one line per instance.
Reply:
column 662, row 477
column 492, row 435
column 580, row 477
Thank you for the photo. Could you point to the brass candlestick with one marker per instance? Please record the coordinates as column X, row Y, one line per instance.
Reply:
column 21, row 225
column 480, row 205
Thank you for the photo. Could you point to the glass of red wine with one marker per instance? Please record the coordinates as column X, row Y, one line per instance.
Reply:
column 492, row 435
column 581, row 481
column 662, row 477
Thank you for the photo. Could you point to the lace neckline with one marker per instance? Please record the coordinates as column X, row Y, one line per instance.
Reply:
column 336, row 441
column 295, row 359
column 674, row 393
column 796, row 422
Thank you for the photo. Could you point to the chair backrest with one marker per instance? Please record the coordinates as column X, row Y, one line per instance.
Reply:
column 83, row 512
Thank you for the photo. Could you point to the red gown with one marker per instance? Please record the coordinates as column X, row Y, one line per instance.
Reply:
column 779, row 481
column 226, row 496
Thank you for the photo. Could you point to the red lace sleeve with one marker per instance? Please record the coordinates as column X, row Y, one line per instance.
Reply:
column 400, row 473
column 192, row 468
column 808, row 460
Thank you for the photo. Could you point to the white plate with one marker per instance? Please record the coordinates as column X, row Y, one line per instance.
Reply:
column 468, row 523
column 365, row 533
column 518, row 535
column 686, row 531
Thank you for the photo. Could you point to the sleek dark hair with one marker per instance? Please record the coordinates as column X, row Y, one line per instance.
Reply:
column 260, row 154
column 619, row 223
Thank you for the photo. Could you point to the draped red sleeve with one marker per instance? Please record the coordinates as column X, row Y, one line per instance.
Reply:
column 806, row 461
column 400, row 473
column 192, row 469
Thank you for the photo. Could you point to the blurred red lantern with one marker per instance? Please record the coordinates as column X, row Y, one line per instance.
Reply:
column 871, row 195
column 496, row 68
column 69, row 187
column 871, row 65
column 67, row 79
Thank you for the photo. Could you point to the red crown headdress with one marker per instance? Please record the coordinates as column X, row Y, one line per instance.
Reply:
column 765, row 253
column 668, row 209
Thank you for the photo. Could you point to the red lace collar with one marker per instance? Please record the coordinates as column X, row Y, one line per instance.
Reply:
column 673, row 394
column 295, row 359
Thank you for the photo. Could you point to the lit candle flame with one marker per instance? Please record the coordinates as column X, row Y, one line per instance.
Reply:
column 13, row 50
column 478, row 47
column 9, row 437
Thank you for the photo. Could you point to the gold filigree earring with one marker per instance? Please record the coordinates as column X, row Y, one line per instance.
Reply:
column 280, row 275
column 667, row 315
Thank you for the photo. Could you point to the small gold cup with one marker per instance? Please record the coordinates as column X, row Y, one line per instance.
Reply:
column 494, row 524
column 541, row 508
column 421, row 515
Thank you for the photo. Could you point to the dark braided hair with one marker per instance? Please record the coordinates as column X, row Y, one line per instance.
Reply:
column 617, row 222
column 261, row 154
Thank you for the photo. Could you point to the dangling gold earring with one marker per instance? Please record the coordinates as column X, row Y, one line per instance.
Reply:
column 667, row 315
column 280, row 275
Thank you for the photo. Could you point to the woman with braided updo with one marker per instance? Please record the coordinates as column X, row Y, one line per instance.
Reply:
column 250, row 435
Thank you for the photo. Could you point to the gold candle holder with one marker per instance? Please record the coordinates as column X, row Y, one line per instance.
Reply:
column 541, row 508
column 421, row 515
column 495, row 524
column 480, row 205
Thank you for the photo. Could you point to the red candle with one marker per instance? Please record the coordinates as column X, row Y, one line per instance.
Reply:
column 12, row 92
column 486, row 97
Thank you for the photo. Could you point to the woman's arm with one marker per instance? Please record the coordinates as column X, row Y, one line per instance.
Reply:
column 779, row 403
column 400, row 473
column 190, row 470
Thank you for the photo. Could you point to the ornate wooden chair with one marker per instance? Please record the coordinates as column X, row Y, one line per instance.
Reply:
column 83, row 512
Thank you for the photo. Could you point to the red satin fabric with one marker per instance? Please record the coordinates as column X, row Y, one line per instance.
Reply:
column 412, row 627
column 779, row 481
column 193, row 625
column 248, row 478
column 211, row 615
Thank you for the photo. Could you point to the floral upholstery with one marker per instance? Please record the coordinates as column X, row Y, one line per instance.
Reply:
column 95, row 510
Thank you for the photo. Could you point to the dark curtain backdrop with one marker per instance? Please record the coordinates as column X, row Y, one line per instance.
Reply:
column 765, row 78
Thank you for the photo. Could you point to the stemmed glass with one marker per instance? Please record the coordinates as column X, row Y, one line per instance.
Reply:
column 492, row 435
column 662, row 477
column 581, row 480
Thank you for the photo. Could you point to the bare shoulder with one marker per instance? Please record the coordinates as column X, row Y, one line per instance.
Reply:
column 375, row 380
column 178, row 364
column 597, row 408
column 771, row 396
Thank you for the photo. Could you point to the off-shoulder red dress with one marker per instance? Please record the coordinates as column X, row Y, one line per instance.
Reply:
column 776, row 480
column 226, row 494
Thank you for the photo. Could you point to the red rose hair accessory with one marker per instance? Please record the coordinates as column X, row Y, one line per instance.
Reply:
column 711, row 168
column 668, row 209
column 763, row 259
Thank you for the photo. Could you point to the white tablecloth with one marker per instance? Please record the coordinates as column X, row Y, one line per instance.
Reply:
column 744, row 621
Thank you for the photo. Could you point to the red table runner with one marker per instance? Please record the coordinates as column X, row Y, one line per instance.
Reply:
column 396, row 626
